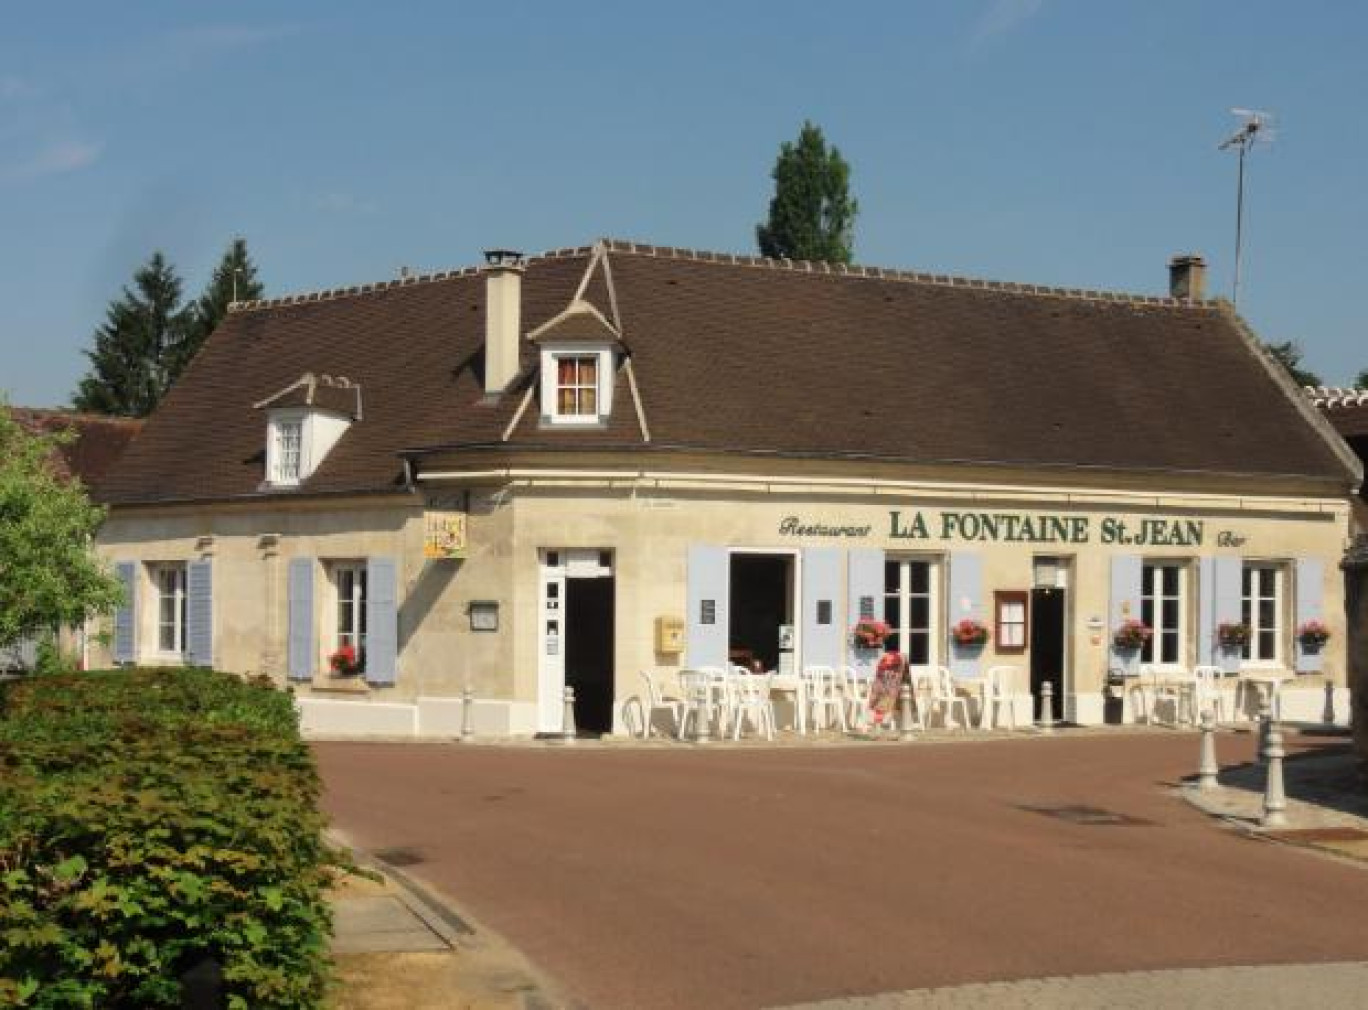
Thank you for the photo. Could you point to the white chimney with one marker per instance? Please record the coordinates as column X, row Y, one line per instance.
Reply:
column 503, row 318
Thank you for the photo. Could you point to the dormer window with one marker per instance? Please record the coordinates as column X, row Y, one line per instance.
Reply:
column 303, row 423
column 579, row 348
column 577, row 385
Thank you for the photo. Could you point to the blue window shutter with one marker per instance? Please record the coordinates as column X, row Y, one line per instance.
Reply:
column 966, row 600
column 382, row 621
column 822, row 643
column 1206, row 612
column 707, row 623
column 1310, row 589
column 126, row 616
column 1228, row 573
column 865, row 598
column 199, row 612
column 1126, row 590
column 302, row 647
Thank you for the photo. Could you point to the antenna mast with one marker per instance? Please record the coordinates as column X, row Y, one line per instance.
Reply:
column 1257, row 126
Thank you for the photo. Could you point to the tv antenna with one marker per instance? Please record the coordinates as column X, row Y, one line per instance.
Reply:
column 1257, row 127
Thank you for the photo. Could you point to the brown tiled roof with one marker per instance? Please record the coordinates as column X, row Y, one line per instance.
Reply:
column 735, row 353
column 99, row 441
column 337, row 394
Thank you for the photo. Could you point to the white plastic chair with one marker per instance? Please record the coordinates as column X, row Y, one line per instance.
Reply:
column 699, row 691
column 1207, row 693
column 855, row 690
column 751, row 698
column 997, row 693
column 658, row 701
column 945, row 699
column 824, row 696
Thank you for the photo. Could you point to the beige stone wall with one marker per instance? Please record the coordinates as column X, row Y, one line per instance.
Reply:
column 649, row 529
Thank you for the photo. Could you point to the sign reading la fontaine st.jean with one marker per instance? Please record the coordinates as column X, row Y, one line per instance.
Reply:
column 1013, row 527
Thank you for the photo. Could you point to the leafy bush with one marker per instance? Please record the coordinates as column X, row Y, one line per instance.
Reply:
column 150, row 819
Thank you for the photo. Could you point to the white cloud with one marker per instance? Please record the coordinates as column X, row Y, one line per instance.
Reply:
column 53, row 158
column 1003, row 16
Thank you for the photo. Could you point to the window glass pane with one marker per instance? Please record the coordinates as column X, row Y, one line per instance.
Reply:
column 919, row 649
column 891, row 576
column 920, row 576
column 1267, row 644
column 1170, row 651
column 1245, row 576
column 893, row 612
column 919, row 612
column 1170, row 580
column 1267, row 613
column 588, row 371
column 1170, row 610
column 1147, row 610
column 1245, row 612
column 565, row 371
column 588, row 401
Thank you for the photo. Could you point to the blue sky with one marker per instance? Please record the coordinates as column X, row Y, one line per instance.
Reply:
column 1066, row 142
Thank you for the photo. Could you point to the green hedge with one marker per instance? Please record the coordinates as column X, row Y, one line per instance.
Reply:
column 150, row 818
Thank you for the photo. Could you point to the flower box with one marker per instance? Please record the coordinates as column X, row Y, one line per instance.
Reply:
column 970, row 633
column 1132, row 635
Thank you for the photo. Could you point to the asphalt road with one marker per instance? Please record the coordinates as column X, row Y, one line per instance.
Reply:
column 748, row 878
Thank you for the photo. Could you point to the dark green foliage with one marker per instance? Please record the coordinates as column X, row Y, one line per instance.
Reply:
column 1361, row 380
column 1289, row 355
column 812, row 214
column 212, row 306
column 147, row 819
column 131, row 366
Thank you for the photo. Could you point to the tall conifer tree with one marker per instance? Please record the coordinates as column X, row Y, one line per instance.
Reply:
column 235, row 273
column 132, row 363
column 812, row 214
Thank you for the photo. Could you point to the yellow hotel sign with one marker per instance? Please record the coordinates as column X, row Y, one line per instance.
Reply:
column 444, row 537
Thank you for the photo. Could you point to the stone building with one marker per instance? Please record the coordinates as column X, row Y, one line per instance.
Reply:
column 568, row 468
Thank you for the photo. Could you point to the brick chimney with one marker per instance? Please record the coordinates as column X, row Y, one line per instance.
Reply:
column 503, row 318
column 1187, row 277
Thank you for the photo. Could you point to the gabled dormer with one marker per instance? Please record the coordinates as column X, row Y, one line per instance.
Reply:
column 303, row 423
column 577, row 352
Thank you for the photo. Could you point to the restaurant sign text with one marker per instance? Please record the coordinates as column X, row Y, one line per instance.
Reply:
column 1012, row 527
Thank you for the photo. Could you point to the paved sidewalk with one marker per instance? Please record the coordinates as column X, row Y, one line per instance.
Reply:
column 1267, row 987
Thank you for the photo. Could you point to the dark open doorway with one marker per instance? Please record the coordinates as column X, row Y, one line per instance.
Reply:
column 1047, row 646
column 589, row 651
column 761, row 601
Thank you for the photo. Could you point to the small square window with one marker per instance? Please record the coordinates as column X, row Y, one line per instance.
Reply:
column 1010, row 608
column 577, row 385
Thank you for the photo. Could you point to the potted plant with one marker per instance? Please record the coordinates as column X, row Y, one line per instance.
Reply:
column 1313, row 635
column 970, row 633
column 869, row 633
column 346, row 662
column 1132, row 634
column 1233, row 635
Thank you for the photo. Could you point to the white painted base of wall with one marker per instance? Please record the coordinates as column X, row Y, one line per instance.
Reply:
column 427, row 718
column 440, row 718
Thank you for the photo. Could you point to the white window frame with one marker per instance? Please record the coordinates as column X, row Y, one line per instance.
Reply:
column 173, row 572
column 1156, row 601
column 552, row 355
column 1259, row 572
column 275, row 437
column 340, row 572
column 935, row 629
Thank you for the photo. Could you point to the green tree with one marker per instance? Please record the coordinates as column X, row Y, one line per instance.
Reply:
column 812, row 214
column 235, row 275
column 138, row 347
column 1289, row 355
column 1361, row 380
column 49, row 577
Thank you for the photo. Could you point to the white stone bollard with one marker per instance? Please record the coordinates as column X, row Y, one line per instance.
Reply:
column 568, row 719
column 1265, row 718
column 1047, row 720
column 905, row 712
column 1207, row 769
column 1275, row 798
column 467, row 703
column 702, row 724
